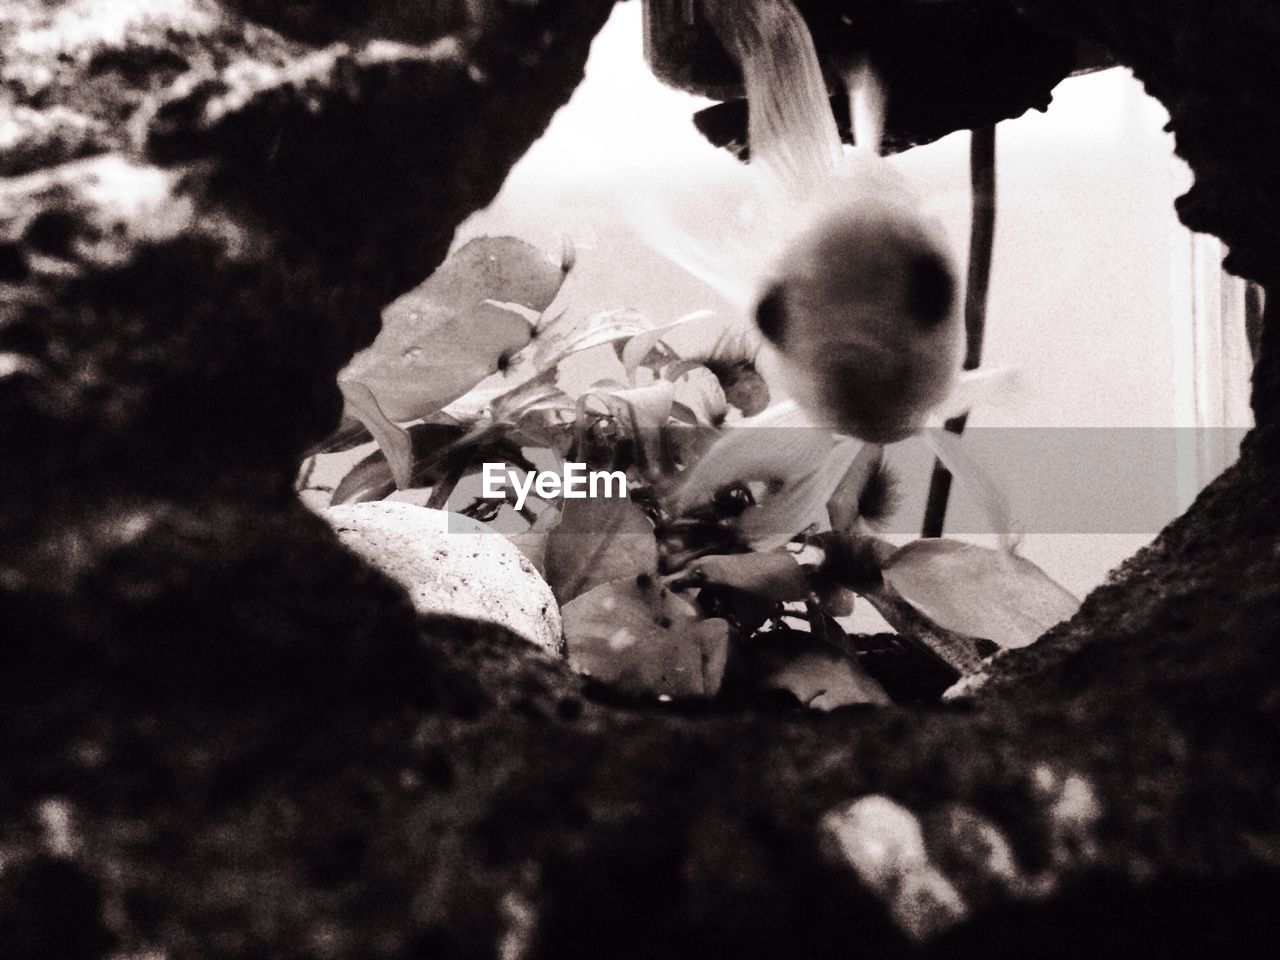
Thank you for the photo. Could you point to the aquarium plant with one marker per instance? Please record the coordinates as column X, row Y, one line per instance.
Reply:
column 724, row 572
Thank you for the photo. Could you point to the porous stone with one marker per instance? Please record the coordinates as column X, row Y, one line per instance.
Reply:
column 883, row 843
column 453, row 565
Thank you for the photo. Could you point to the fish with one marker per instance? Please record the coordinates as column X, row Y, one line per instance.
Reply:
column 849, row 281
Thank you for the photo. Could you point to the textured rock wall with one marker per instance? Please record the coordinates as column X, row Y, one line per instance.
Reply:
column 223, row 737
column 204, row 207
column 201, row 219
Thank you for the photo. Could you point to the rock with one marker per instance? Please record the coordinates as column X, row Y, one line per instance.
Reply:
column 947, row 67
column 203, row 219
column 882, row 841
column 453, row 565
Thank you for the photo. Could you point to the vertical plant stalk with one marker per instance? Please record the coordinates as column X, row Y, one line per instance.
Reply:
column 1254, row 301
column 982, row 232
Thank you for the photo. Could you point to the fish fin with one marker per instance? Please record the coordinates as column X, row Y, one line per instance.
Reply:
column 867, row 106
column 713, row 224
column 745, row 455
column 802, row 502
column 995, row 386
column 790, row 127
column 951, row 453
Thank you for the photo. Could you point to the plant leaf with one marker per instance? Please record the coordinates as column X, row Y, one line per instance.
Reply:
column 820, row 676
column 639, row 348
column 835, row 600
column 977, row 591
column 391, row 438
column 745, row 612
column 700, row 392
column 533, row 542
column 538, row 393
column 642, row 411
column 639, row 408
column 677, row 369
column 351, row 433
column 437, row 450
column 598, row 539
column 608, row 326
column 442, row 338
column 774, row 575
column 644, row 639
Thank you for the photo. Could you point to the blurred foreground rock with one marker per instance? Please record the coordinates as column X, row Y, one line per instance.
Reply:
column 223, row 736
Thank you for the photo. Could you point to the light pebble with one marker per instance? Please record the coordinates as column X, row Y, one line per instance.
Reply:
column 451, row 564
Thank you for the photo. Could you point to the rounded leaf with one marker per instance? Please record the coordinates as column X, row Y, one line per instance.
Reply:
column 643, row 639
column 977, row 591
column 774, row 575
column 442, row 338
column 638, row 349
column 597, row 540
column 820, row 677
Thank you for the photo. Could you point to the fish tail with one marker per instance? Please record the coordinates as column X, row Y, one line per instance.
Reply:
column 790, row 127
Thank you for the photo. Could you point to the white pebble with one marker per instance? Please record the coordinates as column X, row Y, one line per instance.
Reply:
column 451, row 564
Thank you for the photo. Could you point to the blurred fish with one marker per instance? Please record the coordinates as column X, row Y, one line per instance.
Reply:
column 831, row 253
column 829, row 250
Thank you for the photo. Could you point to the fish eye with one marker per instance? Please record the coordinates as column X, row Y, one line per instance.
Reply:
column 930, row 288
column 733, row 500
column 771, row 315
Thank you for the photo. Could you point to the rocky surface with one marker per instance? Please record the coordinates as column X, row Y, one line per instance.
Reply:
column 204, row 208
column 223, row 736
column 947, row 66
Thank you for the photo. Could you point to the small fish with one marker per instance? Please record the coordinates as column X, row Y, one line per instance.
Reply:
column 828, row 250
column 831, row 253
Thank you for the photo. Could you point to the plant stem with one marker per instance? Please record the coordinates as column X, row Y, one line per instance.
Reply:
column 304, row 474
column 982, row 231
column 1254, row 301
column 955, row 649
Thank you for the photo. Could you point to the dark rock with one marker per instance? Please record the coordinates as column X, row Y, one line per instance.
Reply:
column 51, row 908
column 200, row 221
column 947, row 66
column 209, row 275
